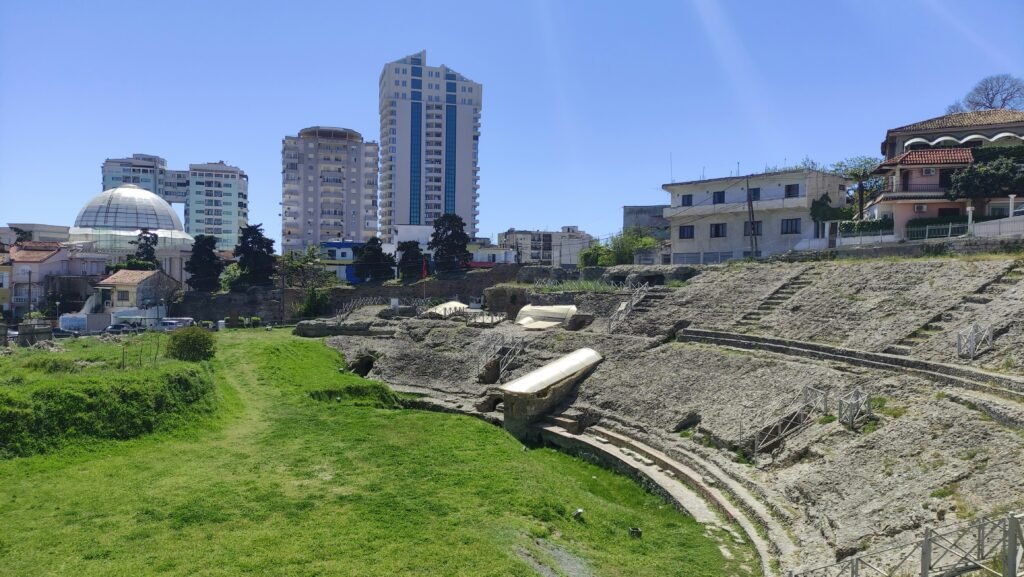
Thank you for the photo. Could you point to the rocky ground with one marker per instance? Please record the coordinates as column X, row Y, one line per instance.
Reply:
column 928, row 457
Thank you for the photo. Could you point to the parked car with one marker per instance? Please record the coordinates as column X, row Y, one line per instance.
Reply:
column 120, row 328
column 1019, row 211
column 166, row 325
column 63, row 334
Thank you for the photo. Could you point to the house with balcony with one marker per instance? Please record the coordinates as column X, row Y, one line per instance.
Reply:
column 720, row 219
column 5, row 283
column 921, row 158
column 39, row 269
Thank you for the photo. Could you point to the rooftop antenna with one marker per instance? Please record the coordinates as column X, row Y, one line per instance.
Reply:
column 737, row 168
column 671, row 175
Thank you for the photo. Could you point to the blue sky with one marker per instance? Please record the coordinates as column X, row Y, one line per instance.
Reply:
column 584, row 102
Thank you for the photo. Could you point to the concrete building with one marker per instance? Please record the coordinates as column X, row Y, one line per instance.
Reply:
column 136, row 290
column 650, row 218
column 329, row 187
column 543, row 247
column 337, row 256
column 922, row 157
column 429, row 138
column 711, row 222
column 217, row 203
column 37, row 232
column 5, row 283
column 215, row 195
column 39, row 270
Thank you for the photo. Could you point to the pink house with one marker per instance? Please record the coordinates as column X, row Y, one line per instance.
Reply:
column 922, row 157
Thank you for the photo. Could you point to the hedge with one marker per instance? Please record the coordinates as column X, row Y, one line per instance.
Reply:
column 865, row 225
column 959, row 219
column 991, row 153
column 120, row 408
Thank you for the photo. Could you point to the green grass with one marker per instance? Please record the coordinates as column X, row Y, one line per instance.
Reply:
column 826, row 419
column 279, row 482
column 582, row 286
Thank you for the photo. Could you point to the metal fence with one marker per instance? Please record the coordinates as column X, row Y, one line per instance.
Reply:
column 854, row 408
column 936, row 231
column 795, row 418
column 991, row 546
column 626, row 307
column 971, row 341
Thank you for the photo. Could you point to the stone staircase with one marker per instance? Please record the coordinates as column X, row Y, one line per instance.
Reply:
column 779, row 297
column 651, row 300
column 956, row 314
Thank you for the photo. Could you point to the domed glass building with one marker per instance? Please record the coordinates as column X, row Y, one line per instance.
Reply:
column 112, row 220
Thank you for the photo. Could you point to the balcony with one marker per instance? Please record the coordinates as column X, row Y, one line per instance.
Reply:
column 800, row 201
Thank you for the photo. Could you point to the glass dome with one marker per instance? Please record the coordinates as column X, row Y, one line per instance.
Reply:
column 128, row 207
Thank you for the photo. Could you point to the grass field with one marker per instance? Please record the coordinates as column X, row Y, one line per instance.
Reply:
column 276, row 483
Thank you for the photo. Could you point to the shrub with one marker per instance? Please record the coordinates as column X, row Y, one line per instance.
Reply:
column 120, row 407
column 191, row 344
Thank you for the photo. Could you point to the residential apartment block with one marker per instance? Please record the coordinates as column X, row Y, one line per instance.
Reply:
column 215, row 195
column 711, row 219
column 329, row 187
column 543, row 247
column 429, row 138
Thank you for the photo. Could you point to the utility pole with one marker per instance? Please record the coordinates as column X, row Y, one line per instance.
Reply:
column 750, row 218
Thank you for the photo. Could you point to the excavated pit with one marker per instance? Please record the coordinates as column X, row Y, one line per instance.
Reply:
column 837, row 490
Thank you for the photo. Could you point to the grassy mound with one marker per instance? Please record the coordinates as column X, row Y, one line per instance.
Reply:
column 48, row 399
column 283, row 484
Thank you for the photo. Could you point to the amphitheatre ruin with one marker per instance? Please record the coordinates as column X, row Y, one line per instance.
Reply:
column 836, row 414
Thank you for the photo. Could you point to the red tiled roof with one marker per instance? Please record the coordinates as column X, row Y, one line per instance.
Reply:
column 128, row 277
column 965, row 120
column 34, row 251
column 932, row 156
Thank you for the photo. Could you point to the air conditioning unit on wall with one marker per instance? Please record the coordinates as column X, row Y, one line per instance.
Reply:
column 920, row 208
column 928, row 171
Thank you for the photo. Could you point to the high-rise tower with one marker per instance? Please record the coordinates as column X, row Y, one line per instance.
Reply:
column 429, row 139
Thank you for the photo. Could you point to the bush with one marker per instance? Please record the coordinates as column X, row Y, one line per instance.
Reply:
column 865, row 225
column 191, row 344
column 120, row 407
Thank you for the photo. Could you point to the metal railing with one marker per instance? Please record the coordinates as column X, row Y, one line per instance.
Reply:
column 795, row 419
column 991, row 546
column 936, row 231
column 854, row 408
column 971, row 341
column 626, row 307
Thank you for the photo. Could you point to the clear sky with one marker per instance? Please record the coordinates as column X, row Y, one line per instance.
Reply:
column 584, row 101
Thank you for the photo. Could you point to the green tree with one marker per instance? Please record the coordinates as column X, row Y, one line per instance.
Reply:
column 625, row 244
column 204, row 265
column 372, row 263
column 982, row 180
column 304, row 269
column 21, row 235
column 145, row 247
column 255, row 253
column 410, row 265
column 229, row 278
column 860, row 169
column 449, row 241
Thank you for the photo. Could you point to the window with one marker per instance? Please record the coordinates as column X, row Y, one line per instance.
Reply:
column 791, row 225
column 755, row 226
column 754, row 193
column 718, row 197
column 718, row 230
column 792, row 190
column 122, row 296
column 999, row 211
column 685, row 200
column 686, row 231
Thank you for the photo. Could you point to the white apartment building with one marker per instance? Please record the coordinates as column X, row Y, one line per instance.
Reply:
column 429, row 139
column 217, row 202
column 711, row 219
column 329, row 187
column 545, row 247
column 217, row 195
